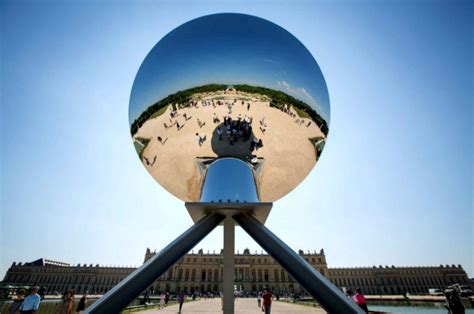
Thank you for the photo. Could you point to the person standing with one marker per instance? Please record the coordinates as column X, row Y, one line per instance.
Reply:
column 31, row 303
column 82, row 303
column 181, row 298
column 199, row 139
column 267, row 301
column 162, row 300
column 360, row 300
column 68, row 303
column 15, row 306
column 42, row 292
column 259, row 300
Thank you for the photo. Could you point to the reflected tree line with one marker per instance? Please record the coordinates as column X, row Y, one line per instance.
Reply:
column 278, row 100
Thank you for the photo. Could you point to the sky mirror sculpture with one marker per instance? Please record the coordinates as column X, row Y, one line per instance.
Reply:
column 229, row 85
column 228, row 112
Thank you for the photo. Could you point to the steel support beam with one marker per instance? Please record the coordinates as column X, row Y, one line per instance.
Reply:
column 229, row 265
column 327, row 294
column 116, row 299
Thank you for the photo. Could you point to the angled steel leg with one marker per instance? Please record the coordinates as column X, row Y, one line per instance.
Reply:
column 128, row 289
column 328, row 295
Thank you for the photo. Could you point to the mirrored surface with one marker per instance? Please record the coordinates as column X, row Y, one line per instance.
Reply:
column 229, row 180
column 229, row 85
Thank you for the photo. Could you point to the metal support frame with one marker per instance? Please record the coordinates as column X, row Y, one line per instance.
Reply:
column 327, row 294
column 229, row 265
column 116, row 299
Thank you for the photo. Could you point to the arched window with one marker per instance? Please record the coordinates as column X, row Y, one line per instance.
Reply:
column 193, row 275
column 259, row 275
column 275, row 274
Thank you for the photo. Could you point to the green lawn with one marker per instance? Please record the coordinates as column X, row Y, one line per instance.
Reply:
column 301, row 113
column 159, row 112
column 139, row 148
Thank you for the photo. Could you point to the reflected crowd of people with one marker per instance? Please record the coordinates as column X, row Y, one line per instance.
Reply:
column 234, row 129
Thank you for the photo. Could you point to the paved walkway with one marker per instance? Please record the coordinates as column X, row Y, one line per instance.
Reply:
column 242, row 306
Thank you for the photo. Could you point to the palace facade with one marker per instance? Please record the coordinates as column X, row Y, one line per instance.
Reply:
column 202, row 272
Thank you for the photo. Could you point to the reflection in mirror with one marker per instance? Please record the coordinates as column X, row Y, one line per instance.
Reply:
column 246, row 89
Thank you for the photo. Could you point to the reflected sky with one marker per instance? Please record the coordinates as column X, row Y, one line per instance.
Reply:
column 230, row 49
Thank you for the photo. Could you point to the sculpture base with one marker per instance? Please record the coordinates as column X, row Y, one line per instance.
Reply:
column 260, row 210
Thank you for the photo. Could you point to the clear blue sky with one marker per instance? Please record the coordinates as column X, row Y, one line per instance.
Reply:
column 393, row 185
column 229, row 49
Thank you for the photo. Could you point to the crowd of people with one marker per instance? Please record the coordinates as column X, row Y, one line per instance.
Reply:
column 31, row 303
column 234, row 130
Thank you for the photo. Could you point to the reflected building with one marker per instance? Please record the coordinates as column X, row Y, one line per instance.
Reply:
column 202, row 272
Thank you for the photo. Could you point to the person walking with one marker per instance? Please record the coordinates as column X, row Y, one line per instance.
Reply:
column 259, row 300
column 181, row 298
column 31, row 303
column 267, row 301
column 82, row 303
column 360, row 300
